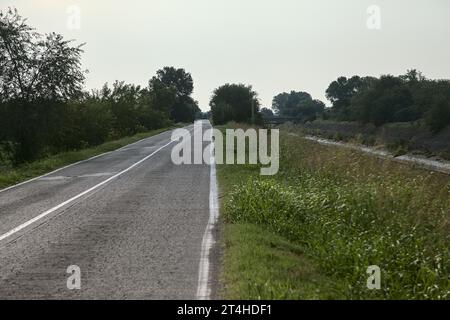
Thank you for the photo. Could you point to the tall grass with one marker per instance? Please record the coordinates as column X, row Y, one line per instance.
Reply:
column 350, row 211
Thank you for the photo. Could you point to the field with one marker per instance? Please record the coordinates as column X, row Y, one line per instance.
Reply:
column 312, row 231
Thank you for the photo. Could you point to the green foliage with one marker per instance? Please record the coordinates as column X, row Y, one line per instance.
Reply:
column 266, row 112
column 345, row 230
column 235, row 102
column 388, row 99
column 36, row 67
column 341, row 92
column 438, row 117
column 44, row 110
column 297, row 105
column 7, row 151
column 10, row 175
column 169, row 79
column 260, row 264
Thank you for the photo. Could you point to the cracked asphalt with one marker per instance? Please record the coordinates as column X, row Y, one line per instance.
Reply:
column 138, row 236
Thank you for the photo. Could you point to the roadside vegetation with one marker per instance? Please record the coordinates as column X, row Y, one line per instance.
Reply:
column 235, row 102
column 398, row 138
column 312, row 231
column 26, row 171
column 409, row 98
column 45, row 108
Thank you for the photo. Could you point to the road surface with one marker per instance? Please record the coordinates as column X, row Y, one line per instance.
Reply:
column 131, row 220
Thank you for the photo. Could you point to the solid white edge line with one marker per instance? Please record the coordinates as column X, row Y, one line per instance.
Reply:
column 46, row 213
column 203, row 288
column 79, row 162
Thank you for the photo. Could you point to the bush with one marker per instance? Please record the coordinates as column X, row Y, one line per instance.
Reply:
column 7, row 152
column 439, row 115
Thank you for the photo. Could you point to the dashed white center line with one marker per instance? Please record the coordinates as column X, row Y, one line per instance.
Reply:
column 65, row 203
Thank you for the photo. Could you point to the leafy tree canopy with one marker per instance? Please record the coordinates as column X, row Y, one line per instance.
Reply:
column 33, row 66
column 181, row 84
column 235, row 102
column 297, row 105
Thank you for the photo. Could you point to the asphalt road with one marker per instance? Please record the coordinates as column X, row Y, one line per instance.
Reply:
column 137, row 236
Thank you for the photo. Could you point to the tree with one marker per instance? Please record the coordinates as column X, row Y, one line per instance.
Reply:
column 342, row 91
column 180, row 83
column 438, row 117
column 44, row 110
column 267, row 113
column 413, row 76
column 405, row 98
column 235, row 102
column 35, row 67
column 37, row 73
column 297, row 105
column 184, row 109
column 388, row 100
column 177, row 79
column 222, row 113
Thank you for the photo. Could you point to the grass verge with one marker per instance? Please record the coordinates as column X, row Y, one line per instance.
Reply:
column 326, row 217
column 9, row 177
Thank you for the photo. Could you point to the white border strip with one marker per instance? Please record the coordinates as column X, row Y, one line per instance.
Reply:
column 46, row 213
column 203, row 288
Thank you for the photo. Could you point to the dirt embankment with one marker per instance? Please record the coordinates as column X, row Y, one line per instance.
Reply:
column 399, row 138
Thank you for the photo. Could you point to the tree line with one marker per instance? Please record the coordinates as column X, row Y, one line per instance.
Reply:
column 45, row 109
column 406, row 98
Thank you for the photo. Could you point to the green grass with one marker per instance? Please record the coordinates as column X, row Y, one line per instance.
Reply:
column 36, row 168
column 259, row 264
column 337, row 212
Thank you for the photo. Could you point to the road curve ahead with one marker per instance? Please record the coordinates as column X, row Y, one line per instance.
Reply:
column 131, row 220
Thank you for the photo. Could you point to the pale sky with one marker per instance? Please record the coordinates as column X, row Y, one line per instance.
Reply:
column 274, row 45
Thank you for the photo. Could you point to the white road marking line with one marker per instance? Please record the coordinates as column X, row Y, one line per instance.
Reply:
column 46, row 213
column 52, row 172
column 91, row 175
column 203, row 288
column 79, row 162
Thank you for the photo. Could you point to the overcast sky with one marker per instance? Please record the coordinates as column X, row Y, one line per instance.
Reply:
column 274, row 45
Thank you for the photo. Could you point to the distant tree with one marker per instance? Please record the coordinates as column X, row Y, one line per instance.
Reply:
column 184, row 109
column 342, row 91
column 280, row 103
column 170, row 77
column 181, row 84
column 202, row 115
column 298, row 105
column 289, row 104
column 235, row 102
column 405, row 98
column 413, row 76
column 222, row 113
column 266, row 112
column 438, row 117
column 388, row 100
